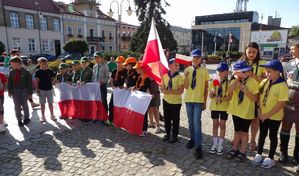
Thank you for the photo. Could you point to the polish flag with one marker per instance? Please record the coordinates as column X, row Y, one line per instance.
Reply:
column 154, row 59
column 131, row 108
column 81, row 102
column 182, row 59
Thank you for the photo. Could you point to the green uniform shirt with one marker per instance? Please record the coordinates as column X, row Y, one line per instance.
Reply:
column 63, row 78
column 25, row 81
column 76, row 76
column 86, row 75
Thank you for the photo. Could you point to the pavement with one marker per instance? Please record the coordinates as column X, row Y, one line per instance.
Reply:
column 72, row 147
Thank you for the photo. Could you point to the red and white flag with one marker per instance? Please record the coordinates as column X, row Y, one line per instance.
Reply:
column 182, row 59
column 129, row 109
column 81, row 102
column 154, row 59
column 230, row 38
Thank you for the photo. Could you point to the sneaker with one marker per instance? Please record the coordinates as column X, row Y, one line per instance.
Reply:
column 190, row 144
column 268, row 163
column 258, row 160
column 173, row 139
column 2, row 128
column 283, row 158
column 166, row 138
column 34, row 105
column 53, row 118
column 198, row 153
column 157, row 130
column 213, row 149
column 26, row 121
column 220, row 150
column 143, row 134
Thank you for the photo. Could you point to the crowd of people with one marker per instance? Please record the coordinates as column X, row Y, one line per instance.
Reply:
column 259, row 96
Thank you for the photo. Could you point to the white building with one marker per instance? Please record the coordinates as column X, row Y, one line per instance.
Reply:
column 183, row 38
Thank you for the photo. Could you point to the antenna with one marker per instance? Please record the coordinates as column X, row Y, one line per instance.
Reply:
column 239, row 6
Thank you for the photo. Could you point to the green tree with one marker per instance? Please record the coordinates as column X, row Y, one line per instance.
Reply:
column 76, row 46
column 294, row 31
column 146, row 10
column 2, row 47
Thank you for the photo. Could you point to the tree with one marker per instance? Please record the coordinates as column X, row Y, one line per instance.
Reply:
column 146, row 10
column 294, row 31
column 2, row 47
column 76, row 46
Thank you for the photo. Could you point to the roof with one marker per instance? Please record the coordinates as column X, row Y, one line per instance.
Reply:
column 264, row 27
column 126, row 24
column 226, row 16
column 44, row 5
column 103, row 16
column 179, row 29
column 68, row 9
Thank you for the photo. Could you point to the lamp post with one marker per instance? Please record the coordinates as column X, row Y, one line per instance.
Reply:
column 119, row 12
column 38, row 17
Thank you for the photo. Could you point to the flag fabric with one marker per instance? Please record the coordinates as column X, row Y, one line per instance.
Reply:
column 129, row 109
column 182, row 59
column 154, row 59
column 81, row 102
column 230, row 38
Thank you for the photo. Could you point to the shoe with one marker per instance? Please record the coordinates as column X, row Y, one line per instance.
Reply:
column 241, row 157
column 20, row 124
column 109, row 123
column 53, row 118
column 42, row 120
column 151, row 126
column 258, row 160
column 26, row 121
column 157, row 130
column 173, row 139
column 232, row 154
column 2, row 128
column 166, row 138
column 283, row 158
column 198, row 153
column 143, row 134
column 213, row 149
column 34, row 105
column 190, row 144
column 220, row 150
column 61, row 117
column 268, row 163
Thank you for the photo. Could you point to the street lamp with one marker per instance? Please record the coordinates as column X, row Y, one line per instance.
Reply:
column 39, row 17
column 119, row 12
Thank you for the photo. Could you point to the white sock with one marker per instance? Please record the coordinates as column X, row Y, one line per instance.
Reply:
column 215, row 141
column 221, row 141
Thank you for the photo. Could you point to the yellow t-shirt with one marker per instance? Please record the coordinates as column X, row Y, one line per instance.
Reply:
column 196, row 95
column 223, row 105
column 177, row 81
column 245, row 109
column 261, row 70
column 278, row 92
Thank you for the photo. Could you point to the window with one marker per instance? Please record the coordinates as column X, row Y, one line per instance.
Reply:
column 69, row 30
column 110, row 35
column 91, row 33
column 43, row 23
column 103, row 33
column 14, row 20
column 45, row 45
column 56, row 25
column 31, row 44
column 16, row 43
column 124, row 34
column 80, row 32
column 29, row 21
column 103, row 47
column 110, row 48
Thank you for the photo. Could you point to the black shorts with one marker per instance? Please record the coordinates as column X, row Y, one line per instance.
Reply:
column 1, row 105
column 241, row 125
column 216, row 114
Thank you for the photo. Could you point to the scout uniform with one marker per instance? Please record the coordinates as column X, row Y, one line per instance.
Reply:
column 65, row 77
column 132, row 74
column 76, row 74
column 86, row 73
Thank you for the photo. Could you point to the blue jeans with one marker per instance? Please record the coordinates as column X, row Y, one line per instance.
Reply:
column 194, row 118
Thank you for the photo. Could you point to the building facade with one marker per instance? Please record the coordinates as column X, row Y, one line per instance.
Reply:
column 183, row 38
column 223, row 32
column 271, row 39
column 31, row 26
column 126, row 32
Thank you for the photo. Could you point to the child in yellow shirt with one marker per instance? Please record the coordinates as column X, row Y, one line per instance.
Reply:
column 242, row 105
column 273, row 98
column 219, row 104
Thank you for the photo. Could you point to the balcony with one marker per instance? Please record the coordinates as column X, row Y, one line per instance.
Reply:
column 126, row 38
column 96, row 39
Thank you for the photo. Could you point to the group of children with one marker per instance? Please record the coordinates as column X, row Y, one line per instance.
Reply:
column 255, row 96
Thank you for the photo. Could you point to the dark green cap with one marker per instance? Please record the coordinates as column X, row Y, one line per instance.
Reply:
column 84, row 59
column 76, row 62
column 63, row 66
column 98, row 53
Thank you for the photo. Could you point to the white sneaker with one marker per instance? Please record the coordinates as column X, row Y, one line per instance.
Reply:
column 2, row 128
column 268, row 163
column 258, row 159
column 213, row 149
column 157, row 130
column 220, row 150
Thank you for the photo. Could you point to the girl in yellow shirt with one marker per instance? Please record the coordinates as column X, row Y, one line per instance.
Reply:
column 242, row 105
column 219, row 104
column 273, row 98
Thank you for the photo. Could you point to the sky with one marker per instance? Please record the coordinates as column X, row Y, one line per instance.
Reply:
column 182, row 12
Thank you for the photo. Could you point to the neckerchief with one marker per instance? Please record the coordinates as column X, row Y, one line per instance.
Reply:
column 220, row 90
column 140, row 81
column 279, row 80
column 98, row 72
column 193, row 81
column 169, row 86
column 241, row 93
